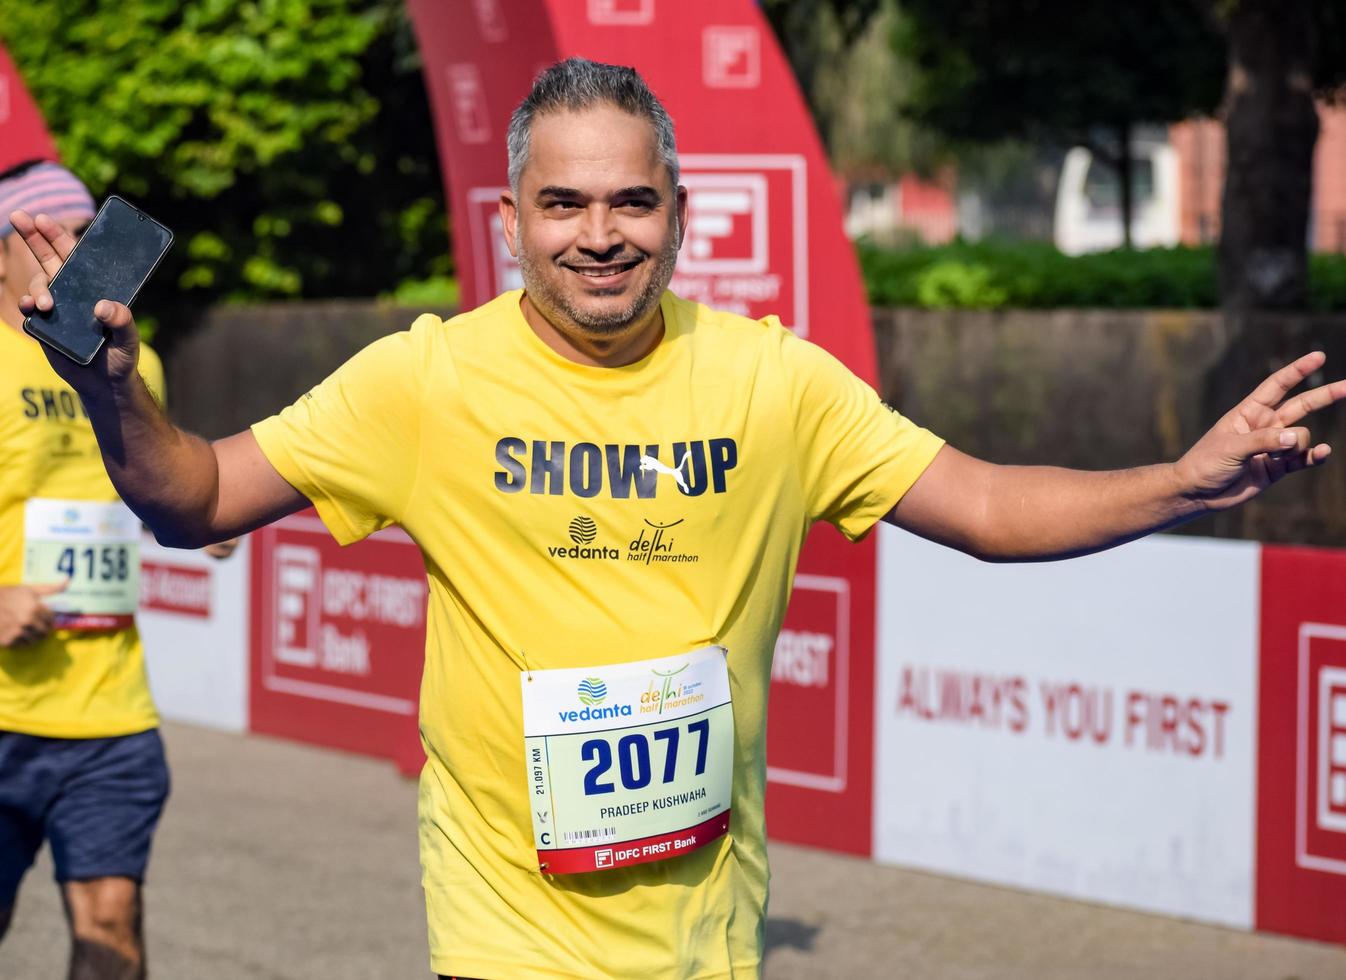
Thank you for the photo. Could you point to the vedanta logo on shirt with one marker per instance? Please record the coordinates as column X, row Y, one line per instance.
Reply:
column 587, row 469
column 583, row 530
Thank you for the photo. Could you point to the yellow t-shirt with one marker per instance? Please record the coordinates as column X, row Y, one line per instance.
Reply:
column 485, row 445
column 72, row 684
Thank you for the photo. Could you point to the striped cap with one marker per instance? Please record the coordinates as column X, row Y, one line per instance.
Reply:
column 48, row 188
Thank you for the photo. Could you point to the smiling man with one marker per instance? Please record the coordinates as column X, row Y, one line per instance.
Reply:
column 610, row 487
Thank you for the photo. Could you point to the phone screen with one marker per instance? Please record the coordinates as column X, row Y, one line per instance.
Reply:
column 112, row 260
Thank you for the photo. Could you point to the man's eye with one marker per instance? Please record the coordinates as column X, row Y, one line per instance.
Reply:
column 562, row 206
column 641, row 207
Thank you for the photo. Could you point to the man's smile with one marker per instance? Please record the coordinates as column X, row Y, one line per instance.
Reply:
column 604, row 270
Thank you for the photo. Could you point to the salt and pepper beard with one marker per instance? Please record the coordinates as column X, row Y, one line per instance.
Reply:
column 549, row 299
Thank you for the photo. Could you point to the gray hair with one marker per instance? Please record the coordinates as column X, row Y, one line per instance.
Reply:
column 577, row 83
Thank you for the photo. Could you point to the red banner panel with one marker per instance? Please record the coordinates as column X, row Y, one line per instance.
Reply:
column 764, row 237
column 338, row 639
column 175, row 589
column 23, row 136
column 1301, row 794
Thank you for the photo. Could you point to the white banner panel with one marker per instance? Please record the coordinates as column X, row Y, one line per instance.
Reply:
column 193, row 619
column 1086, row 728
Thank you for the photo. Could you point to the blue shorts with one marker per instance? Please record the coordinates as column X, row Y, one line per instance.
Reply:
column 96, row 800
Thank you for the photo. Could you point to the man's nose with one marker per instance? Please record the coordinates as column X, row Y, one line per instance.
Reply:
column 598, row 230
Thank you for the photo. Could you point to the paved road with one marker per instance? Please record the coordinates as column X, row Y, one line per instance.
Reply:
column 277, row 861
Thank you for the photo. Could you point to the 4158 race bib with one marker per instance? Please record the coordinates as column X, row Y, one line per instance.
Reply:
column 95, row 547
column 628, row 763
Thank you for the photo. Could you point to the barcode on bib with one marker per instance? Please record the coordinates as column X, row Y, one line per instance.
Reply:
column 589, row 836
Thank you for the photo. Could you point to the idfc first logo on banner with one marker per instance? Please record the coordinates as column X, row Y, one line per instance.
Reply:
column 746, row 244
column 338, row 638
column 1301, row 785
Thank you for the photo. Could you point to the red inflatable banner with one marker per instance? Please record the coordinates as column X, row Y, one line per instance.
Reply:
column 23, row 137
column 764, row 236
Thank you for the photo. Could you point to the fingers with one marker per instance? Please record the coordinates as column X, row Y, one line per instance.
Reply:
column 38, row 296
column 1274, row 442
column 1310, row 401
column 45, row 238
column 1273, row 390
column 51, row 588
column 114, row 316
column 1291, row 449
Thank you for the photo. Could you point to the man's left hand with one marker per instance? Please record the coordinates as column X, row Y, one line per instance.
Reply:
column 1259, row 440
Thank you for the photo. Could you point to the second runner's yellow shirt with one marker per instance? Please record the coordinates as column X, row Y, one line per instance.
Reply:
column 487, row 447
column 72, row 684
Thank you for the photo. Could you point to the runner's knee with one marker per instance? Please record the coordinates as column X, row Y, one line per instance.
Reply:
column 106, row 911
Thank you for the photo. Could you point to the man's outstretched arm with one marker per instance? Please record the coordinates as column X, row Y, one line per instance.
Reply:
column 1038, row 513
column 189, row 492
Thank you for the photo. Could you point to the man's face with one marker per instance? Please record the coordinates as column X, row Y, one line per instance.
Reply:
column 597, row 223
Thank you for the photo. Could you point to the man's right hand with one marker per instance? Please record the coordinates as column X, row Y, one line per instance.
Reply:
column 115, row 362
column 24, row 618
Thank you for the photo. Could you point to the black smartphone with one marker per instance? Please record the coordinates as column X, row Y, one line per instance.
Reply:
column 112, row 260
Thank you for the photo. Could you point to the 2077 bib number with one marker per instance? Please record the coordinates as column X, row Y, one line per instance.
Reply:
column 628, row 763
column 633, row 757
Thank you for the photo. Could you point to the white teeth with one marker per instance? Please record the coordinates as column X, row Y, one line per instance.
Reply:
column 601, row 273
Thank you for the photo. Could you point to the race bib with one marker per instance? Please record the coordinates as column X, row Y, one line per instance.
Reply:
column 96, row 547
column 628, row 763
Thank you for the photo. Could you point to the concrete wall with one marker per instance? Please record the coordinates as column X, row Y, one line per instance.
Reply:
column 1098, row 389
column 1088, row 388
column 238, row 364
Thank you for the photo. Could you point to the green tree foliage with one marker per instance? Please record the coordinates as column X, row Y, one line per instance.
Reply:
column 853, row 83
column 287, row 142
column 1060, row 71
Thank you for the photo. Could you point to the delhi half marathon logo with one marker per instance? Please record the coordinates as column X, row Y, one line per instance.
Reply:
column 666, row 694
column 592, row 691
column 583, row 532
column 654, row 544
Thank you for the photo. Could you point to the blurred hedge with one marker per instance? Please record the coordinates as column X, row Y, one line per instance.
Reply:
column 1029, row 275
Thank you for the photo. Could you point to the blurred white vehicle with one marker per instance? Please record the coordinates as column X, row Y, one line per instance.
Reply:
column 1089, row 201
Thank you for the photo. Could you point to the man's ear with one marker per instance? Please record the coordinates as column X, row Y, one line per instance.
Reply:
column 682, row 214
column 509, row 220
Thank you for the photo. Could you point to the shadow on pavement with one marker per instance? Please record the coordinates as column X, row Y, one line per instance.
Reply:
column 789, row 934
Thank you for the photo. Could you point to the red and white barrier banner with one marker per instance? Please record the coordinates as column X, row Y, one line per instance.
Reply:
column 1086, row 728
column 1301, row 792
column 338, row 638
column 764, row 236
column 1142, row 728
column 193, row 620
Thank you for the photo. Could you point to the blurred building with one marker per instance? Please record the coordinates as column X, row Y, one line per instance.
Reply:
column 909, row 210
column 1200, row 148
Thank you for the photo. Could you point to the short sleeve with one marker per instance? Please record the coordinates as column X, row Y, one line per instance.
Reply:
column 351, row 445
column 857, row 456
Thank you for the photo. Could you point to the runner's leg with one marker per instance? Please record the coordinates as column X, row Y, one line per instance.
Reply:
column 25, row 791
column 100, row 828
column 105, row 926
